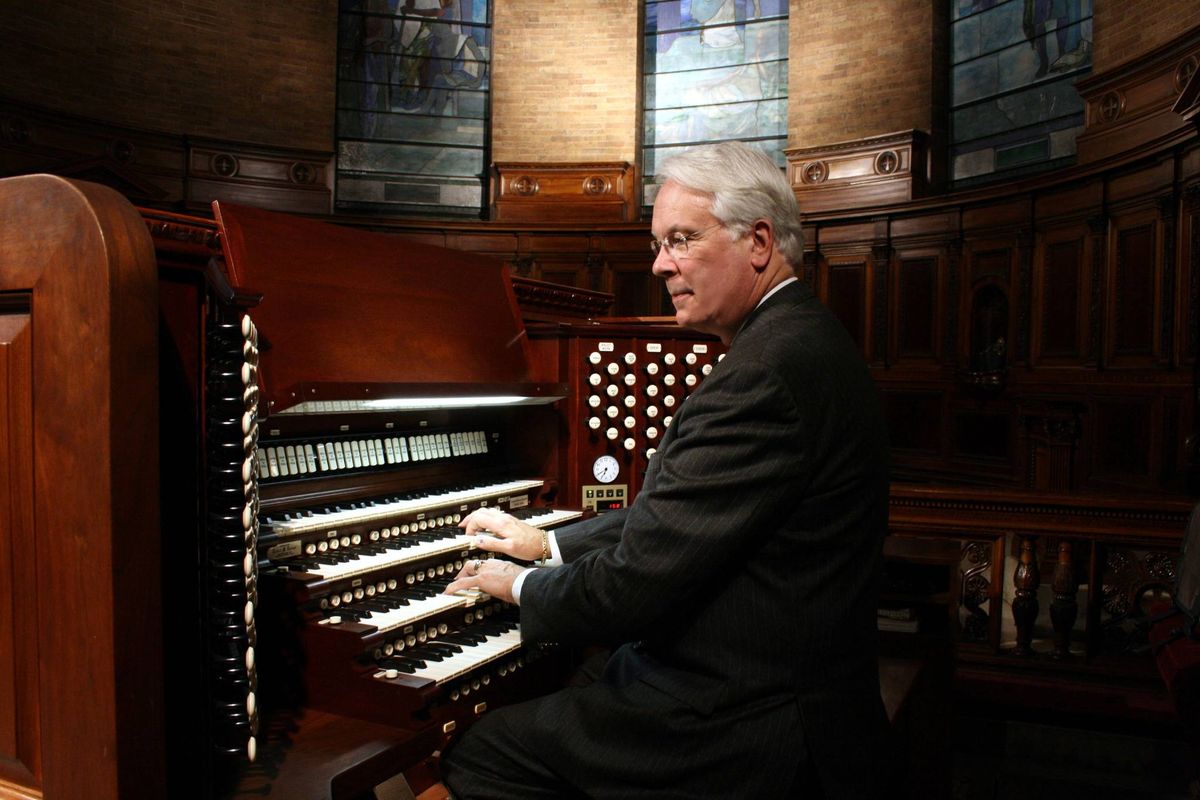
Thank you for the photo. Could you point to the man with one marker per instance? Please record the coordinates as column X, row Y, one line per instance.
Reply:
column 739, row 589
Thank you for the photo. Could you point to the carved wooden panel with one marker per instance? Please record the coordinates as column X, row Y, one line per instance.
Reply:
column 299, row 181
column 636, row 289
column 561, row 192
column 914, row 420
column 983, row 434
column 917, row 308
column 876, row 169
column 1061, row 289
column 844, row 290
column 1134, row 282
column 1119, row 439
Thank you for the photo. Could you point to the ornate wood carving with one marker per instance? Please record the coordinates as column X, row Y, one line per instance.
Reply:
column 878, row 169
column 1130, row 106
column 975, row 568
column 278, row 178
column 1132, row 580
column 564, row 192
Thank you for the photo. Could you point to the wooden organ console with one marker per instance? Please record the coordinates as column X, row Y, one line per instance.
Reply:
column 251, row 555
column 395, row 394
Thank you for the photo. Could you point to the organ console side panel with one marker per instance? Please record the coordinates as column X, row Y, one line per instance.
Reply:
column 80, row 639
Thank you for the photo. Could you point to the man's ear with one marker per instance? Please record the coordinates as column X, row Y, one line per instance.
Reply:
column 762, row 244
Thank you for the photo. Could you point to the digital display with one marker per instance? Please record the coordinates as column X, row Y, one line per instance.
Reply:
column 609, row 505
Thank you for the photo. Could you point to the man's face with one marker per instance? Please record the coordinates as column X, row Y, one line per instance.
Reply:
column 711, row 285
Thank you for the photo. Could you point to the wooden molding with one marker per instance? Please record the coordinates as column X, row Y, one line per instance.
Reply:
column 281, row 179
column 1188, row 104
column 564, row 192
column 163, row 170
column 890, row 168
column 144, row 166
column 1132, row 106
column 541, row 301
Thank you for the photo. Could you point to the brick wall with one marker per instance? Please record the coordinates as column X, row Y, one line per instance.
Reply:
column 565, row 73
column 863, row 69
column 245, row 71
column 1127, row 29
column 565, row 80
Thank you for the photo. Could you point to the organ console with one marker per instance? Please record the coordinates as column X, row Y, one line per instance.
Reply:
column 330, row 404
column 386, row 389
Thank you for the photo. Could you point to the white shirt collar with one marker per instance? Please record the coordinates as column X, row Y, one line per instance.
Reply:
column 776, row 288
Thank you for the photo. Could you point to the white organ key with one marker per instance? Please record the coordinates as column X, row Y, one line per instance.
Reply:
column 551, row 517
column 382, row 510
column 471, row 657
column 393, row 558
column 416, row 610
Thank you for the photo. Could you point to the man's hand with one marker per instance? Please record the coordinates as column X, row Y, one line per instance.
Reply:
column 498, row 532
column 489, row 575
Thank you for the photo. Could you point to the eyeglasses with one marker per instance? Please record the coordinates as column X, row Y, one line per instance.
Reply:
column 676, row 244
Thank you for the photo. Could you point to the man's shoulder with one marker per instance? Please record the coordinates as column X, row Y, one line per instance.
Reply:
column 793, row 313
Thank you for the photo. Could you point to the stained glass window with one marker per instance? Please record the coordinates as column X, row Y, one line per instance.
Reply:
column 412, row 106
column 1014, row 108
column 713, row 70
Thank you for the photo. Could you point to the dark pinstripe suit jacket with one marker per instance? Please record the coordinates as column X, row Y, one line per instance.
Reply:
column 744, row 578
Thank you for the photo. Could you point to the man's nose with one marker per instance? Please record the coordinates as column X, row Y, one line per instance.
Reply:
column 664, row 264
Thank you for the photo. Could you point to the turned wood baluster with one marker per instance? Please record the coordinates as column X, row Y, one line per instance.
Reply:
column 1026, row 579
column 1064, row 608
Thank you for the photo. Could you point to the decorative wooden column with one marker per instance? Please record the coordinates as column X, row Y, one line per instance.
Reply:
column 1065, row 607
column 1026, row 579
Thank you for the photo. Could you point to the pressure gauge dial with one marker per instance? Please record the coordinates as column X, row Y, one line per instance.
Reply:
column 606, row 468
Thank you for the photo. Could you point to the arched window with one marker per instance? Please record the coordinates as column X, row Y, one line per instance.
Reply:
column 713, row 70
column 1014, row 63
column 413, row 106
